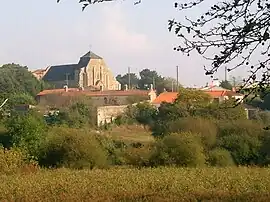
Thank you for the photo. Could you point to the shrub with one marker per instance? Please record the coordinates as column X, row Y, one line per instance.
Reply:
column 204, row 128
column 139, row 156
column 242, row 139
column 72, row 148
column 114, row 150
column 182, row 149
column 220, row 157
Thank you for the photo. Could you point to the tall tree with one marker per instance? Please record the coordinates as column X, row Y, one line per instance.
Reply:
column 226, row 85
column 124, row 80
column 16, row 82
column 148, row 77
column 237, row 31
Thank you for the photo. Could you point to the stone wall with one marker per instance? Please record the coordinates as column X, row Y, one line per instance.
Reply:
column 107, row 114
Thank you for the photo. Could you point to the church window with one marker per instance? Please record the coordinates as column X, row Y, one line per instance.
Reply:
column 100, row 72
column 93, row 75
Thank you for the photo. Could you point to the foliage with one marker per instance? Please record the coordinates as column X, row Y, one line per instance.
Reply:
column 192, row 99
column 27, row 131
column 226, row 84
column 72, row 148
column 147, row 78
column 243, row 139
column 16, row 79
column 124, row 80
column 220, row 157
column 142, row 113
column 76, row 113
column 136, row 99
column 139, row 156
column 145, row 113
column 181, row 149
column 231, row 30
column 205, row 129
column 227, row 110
column 20, row 99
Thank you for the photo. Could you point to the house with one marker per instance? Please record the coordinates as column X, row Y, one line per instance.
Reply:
column 220, row 94
column 90, row 72
column 216, row 93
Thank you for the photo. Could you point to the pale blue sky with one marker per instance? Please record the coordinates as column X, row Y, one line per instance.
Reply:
column 39, row 33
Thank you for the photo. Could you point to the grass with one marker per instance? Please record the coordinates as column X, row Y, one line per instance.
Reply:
column 130, row 133
column 151, row 184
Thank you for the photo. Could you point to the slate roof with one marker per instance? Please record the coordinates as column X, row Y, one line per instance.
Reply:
column 59, row 72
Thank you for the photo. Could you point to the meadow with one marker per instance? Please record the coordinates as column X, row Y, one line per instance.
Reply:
column 147, row 184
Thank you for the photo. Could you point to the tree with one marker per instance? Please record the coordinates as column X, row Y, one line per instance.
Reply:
column 148, row 77
column 226, row 84
column 124, row 80
column 27, row 131
column 228, row 33
column 18, row 85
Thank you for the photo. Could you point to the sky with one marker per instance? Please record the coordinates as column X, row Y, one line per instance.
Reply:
column 39, row 33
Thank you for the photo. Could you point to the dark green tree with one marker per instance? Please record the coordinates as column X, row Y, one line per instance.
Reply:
column 26, row 130
column 124, row 80
column 226, row 84
column 18, row 79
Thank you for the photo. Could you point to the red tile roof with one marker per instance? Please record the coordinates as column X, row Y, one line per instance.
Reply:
column 75, row 91
column 216, row 94
column 171, row 96
column 166, row 97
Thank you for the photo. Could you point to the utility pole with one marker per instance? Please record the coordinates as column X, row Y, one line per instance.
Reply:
column 177, row 84
column 226, row 71
column 129, row 78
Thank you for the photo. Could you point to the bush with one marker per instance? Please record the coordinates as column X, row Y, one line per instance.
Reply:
column 204, row 128
column 72, row 148
column 114, row 150
column 181, row 149
column 243, row 139
column 220, row 157
column 139, row 156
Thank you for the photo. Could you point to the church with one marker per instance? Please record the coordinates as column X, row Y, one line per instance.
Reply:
column 90, row 73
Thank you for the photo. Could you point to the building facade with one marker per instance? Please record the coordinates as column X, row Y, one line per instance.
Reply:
column 91, row 72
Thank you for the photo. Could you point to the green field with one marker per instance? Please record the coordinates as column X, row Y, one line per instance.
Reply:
column 124, row 184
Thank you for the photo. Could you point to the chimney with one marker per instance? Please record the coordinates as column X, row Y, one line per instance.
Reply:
column 126, row 87
column 66, row 88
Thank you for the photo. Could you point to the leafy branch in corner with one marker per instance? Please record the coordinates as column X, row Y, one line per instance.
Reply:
column 86, row 3
column 235, row 30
